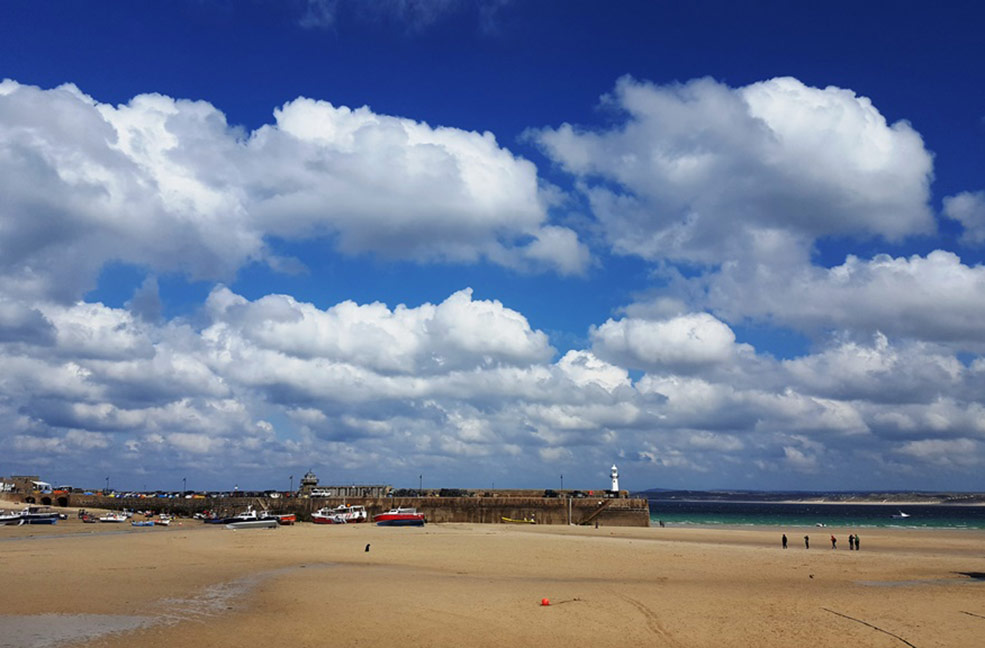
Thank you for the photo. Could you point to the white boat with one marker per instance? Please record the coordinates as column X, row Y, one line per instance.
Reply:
column 341, row 514
column 164, row 519
column 30, row 515
column 113, row 517
column 900, row 516
column 251, row 519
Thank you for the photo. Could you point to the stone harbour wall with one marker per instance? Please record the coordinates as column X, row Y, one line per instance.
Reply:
column 483, row 510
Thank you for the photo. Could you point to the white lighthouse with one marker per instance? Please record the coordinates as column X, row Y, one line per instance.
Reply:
column 615, row 478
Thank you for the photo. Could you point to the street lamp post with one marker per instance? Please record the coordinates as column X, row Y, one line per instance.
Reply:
column 292, row 483
column 184, row 485
column 562, row 482
column 420, row 485
column 107, row 484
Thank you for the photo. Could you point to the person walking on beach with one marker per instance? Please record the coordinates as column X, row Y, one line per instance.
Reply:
column 856, row 542
column 807, row 542
column 851, row 542
column 834, row 542
column 784, row 541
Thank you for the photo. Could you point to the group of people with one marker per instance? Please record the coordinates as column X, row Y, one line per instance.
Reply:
column 852, row 542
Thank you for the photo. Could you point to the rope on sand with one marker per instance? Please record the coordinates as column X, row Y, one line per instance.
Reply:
column 871, row 626
column 972, row 614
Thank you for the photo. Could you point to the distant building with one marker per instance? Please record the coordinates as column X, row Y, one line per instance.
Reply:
column 308, row 482
column 615, row 479
column 374, row 490
column 27, row 484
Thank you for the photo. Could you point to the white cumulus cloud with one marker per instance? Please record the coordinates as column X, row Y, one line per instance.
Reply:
column 167, row 184
column 696, row 171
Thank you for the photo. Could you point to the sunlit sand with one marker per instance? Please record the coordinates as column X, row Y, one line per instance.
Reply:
column 483, row 585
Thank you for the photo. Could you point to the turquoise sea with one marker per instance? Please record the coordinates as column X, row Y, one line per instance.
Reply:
column 923, row 516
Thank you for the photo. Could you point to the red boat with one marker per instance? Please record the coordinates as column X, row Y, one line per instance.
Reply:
column 400, row 517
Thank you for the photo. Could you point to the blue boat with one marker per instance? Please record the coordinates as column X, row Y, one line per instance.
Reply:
column 400, row 523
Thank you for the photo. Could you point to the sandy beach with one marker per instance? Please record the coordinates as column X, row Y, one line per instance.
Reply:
column 482, row 585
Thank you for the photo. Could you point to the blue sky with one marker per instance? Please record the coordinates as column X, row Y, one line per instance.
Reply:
column 720, row 246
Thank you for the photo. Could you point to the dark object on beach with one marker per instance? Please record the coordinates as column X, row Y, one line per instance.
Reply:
column 973, row 575
column 851, row 542
column 367, row 548
column 834, row 542
column 784, row 540
column 856, row 542
column 807, row 542
column 662, row 525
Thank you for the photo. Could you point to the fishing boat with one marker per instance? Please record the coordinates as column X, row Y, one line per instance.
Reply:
column 341, row 514
column 142, row 523
column 519, row 521
column 113, row 517
column 163, row 519
column 30, row 515
column 401, row 516
column 352, row 513
column 285, row 519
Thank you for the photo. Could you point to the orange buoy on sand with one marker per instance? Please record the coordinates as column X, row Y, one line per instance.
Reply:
column 545, row 601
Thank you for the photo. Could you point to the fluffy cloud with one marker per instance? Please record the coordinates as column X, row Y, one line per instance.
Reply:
column 934, row 297
column 697, row 171
column 168, row 184
column 968, row 208
column 746, row 180
column 456, row 334
column 683, row 343
column 273, row 383
column 879, row 372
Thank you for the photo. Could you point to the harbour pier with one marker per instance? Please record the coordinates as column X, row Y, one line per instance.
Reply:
column 488, row 508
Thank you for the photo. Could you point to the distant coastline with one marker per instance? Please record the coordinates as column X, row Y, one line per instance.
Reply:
column 891, row 498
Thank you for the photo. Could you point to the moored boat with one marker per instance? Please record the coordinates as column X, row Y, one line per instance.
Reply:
column 113, row 517
column 30, row 515
column 401, row 516
column 325, row 516
column 142, row 523
column 341, row 514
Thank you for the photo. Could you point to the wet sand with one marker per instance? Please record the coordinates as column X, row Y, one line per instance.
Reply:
column 481, row 585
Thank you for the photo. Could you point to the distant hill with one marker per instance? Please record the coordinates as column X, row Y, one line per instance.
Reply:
column 889, row 497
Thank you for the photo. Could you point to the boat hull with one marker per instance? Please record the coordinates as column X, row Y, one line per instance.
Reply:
column 402, row 522
column 253, row 524
column 327, row 519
